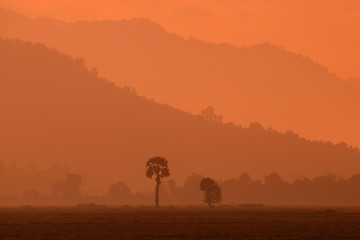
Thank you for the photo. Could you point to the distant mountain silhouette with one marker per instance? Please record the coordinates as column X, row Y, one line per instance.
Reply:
column 261, row 83
column 53, row 109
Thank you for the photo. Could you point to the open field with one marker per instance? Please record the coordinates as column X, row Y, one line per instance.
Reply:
column 96, row 222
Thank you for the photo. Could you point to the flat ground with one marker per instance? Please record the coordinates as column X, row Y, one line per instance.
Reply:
column 102, row 223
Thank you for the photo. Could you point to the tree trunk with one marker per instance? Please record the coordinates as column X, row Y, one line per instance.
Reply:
column 157, row 192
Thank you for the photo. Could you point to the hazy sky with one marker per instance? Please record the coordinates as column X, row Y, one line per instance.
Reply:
column 327, row 31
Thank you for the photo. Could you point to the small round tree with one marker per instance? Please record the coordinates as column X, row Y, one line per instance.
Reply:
column 119, row 193
column 157, row 167
column 212, row 191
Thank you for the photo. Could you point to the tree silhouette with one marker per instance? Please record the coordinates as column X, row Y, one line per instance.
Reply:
column 212, row 191
column 119, row 193
column 70, row 187
column 209, row 114
column 158, row 167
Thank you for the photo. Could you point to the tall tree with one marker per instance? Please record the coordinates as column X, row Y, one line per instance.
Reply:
column 157, row 167
column 212, row 191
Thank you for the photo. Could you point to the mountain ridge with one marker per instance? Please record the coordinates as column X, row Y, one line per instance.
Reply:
column 56, row 110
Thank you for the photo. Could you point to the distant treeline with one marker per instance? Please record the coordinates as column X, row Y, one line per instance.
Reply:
column 29, row 184
column 272, row 189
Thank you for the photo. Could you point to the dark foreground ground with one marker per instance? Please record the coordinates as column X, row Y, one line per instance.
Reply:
column 102, row 223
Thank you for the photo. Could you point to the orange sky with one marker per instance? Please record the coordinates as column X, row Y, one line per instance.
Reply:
column 327, row 31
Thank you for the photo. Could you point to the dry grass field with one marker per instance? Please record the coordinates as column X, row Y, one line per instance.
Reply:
column 102, row 223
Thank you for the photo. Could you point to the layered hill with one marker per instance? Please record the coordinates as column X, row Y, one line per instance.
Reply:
column 261, row 83
column 53, row 109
